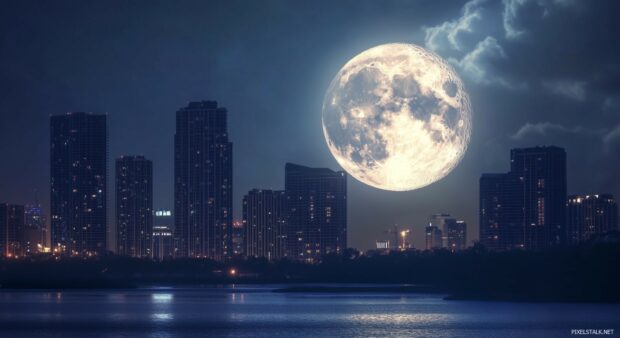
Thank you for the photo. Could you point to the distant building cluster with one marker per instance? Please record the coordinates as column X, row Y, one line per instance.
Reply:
column 528, row 206
column 444, row 231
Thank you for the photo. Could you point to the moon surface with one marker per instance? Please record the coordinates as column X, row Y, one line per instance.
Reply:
column 397, row 117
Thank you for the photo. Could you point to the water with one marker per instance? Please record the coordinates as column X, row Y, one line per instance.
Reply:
column 246, row 311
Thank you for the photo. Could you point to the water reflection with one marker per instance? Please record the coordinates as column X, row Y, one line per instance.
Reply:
column 258, row 312
column 162, row 297
column 399, row 318
column 237, row 298
column 162, row 307
column 161, row 317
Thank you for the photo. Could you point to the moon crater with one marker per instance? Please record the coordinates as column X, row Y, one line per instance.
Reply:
column 397, row 117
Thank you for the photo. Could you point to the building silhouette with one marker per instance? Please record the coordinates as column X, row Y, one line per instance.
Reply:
column 264, row 217
column 526, row 207
column 590, row 215
column 317, row 212
column 35, row 229
column 203, row 182
column 441, row 221
column 78, row 181
column 457, row 236
column 543, row 172
column 433, row 237
column 445, row 231
column 134, row 206
column 501, row 211
column 163, row 236
column 11, row 229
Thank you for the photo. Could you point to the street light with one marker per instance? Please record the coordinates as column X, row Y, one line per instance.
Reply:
column 403, row 234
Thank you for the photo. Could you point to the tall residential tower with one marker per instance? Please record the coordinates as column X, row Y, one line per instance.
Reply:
column 134, row 206
column 264, row 216
column 317, row 212
column 202, row 182
column 526, row 207
column 79, row 149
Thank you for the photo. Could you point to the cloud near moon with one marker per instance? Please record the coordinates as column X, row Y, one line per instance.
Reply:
column 397, row 117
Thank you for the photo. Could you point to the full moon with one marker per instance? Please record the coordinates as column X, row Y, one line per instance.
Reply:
column 397, row 117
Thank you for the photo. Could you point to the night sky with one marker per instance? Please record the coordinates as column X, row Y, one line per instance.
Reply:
column 538, row 73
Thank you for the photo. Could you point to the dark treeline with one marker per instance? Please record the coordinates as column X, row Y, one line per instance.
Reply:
column 589, row 272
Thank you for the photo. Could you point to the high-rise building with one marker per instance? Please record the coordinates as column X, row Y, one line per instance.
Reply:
column 203, row 182
column 433, row 237
column 163, row 239
column 317, row 212
column 525, row 207
column 457, row 236
column 11, row 229
column 78, row 183
column 264, row 216
column 134, row 206
column 589, row 215
column 543, row 172
column 501, row 211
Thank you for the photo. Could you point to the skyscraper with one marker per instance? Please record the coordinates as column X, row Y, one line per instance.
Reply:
column 264, row 216
column 317, row 212
column 589, row 215
column 78, row 183
column 134, row 206
column 501, row 211
column 526, row 207
column 203, row 182
column 543, row 173
column 11, row 229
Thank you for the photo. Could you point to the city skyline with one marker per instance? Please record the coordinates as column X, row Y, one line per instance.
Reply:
column 112, row 229
column 274, row 94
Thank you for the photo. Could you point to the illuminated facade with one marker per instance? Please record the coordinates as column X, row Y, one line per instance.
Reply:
column 543, row 173
column 264, row 215
column 526, row 207
column 79, row 148
column 203, row 182
column 11, row 229
column 163, row 236
column 383, row 244
column 317, row 212
column 134, row 206
column 590, row 215
column 238, row 239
